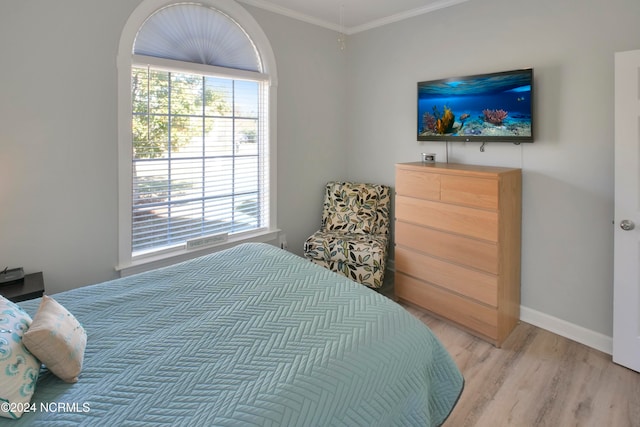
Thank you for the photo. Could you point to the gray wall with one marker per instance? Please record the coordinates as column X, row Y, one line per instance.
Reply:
column 312, row 125
column 341, row 114
column 567, row 243
column 58, row 138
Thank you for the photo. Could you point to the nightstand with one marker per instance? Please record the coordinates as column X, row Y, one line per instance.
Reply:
column 32, row 287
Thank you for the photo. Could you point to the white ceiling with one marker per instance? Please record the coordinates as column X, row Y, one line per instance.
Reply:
column 351, row 16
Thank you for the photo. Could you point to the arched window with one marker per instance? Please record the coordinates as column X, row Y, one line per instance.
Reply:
column 196, row 147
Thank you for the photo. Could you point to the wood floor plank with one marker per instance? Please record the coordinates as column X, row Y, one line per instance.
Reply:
column 536, row 379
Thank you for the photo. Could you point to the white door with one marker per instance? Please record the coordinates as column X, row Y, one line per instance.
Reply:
column 626, row 295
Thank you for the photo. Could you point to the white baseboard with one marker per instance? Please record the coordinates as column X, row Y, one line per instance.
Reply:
column 568, row 330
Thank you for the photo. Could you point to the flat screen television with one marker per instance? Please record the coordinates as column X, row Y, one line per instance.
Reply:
column 495, row 107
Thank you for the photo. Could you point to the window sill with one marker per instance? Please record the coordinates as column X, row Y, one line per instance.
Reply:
column 151, row 262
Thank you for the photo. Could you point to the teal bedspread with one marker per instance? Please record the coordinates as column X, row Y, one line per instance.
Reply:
column 251, row 336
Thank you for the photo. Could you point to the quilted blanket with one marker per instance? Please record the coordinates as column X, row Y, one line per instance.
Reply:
column 251, row 336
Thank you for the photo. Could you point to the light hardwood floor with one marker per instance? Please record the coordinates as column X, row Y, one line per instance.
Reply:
column 537, row 378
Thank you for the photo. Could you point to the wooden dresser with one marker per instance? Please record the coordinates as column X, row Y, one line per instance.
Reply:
column 457, row 244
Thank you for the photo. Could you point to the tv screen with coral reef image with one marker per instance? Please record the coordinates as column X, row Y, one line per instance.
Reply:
column 484, row 108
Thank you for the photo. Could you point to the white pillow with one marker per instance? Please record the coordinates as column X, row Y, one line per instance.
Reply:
column 57, row 339
column 18, row 368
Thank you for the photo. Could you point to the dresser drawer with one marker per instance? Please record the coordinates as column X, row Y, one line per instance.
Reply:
column 451, row 247
column 475, row 316
column 418, row 184
column 469, row 191
column 474, row 284
column 478, row 223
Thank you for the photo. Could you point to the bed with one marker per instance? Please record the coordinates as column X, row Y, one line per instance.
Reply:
column 252, row 335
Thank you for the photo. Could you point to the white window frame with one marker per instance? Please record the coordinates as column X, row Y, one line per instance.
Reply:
column 127, row 264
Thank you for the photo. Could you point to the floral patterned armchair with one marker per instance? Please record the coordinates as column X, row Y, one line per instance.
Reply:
column 354, row 236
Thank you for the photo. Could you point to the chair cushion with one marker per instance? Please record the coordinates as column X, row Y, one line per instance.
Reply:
column 354, row 248
column 351, row 207
column 367, row 275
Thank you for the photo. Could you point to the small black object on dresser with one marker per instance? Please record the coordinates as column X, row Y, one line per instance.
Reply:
column 32, row 286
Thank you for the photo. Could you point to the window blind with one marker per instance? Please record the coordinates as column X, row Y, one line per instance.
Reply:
column 200, row 163
column 197, row 34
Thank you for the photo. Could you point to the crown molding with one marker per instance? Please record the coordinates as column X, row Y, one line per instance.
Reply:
column 266, row 5
column 404, row 15
column 262, row 4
